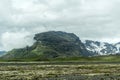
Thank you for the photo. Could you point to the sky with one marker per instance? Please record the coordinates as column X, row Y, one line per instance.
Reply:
column 89, row 19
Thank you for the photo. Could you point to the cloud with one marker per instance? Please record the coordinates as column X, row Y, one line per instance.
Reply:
column 89, row 19
column 12, row 40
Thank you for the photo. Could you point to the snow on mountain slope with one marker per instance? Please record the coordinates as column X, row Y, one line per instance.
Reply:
column 117, row 45
column 102, row 48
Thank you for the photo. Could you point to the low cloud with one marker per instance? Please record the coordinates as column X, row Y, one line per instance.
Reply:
column 12, row 40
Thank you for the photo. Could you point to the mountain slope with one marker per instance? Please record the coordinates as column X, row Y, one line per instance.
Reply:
column 117, row 45
column 2, row 53
column 102, row 48
column 51, row 44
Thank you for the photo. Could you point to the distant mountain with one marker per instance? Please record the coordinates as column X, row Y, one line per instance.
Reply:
column 117, row 45
column 51, row 44
column 102, row 48
column 2, row 53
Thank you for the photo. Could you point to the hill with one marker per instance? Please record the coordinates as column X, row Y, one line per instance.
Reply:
column 52, row 44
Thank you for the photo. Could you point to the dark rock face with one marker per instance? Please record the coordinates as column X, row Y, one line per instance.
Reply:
column 51, row 44
column 67, row 44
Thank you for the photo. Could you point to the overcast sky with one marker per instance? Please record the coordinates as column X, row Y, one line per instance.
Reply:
column 89, row 19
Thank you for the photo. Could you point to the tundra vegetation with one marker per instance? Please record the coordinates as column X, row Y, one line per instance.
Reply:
column 59, row 71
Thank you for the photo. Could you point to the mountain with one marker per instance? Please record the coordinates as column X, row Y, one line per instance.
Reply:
column 102, row 48
column 50, row 44
column 117, row 45
column 2, row 53
column 58, row 44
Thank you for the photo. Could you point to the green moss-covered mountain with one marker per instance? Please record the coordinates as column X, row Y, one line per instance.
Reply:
column 52, row 44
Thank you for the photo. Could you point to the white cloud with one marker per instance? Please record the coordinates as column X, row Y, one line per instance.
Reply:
column 12, row 40
column 89, row 19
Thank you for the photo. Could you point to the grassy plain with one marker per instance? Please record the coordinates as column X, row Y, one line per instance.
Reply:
column 72, row 68
column 59, row 71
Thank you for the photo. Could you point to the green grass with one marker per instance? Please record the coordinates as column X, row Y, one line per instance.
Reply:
column 110, row 58
column 90, row 59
